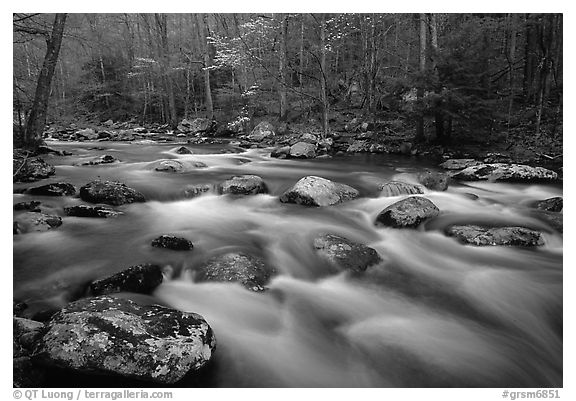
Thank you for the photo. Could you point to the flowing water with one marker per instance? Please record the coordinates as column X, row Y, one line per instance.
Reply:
column 433, row 313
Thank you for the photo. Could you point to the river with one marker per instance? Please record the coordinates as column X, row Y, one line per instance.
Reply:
column 434, row 313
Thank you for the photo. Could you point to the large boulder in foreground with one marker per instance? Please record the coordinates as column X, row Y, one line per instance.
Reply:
column 115, row 336
column 250, row 271
column 29, row 169
column 54, row 189
column 302, row 150
column 36, row 222
column 262, row 131
column 318, row 191
column 110, row 192
column 396, row 188
column 407, row 213
column 243, row 185
column 506, row 172
column 506, row 236
column 142, row 279
column 344, row 253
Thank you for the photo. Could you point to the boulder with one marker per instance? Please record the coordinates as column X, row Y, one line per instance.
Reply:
column 302, row 150
column 506, row 172
column 318, row 191
column 183, row 150
column 115, row 336
column 243, row 185
column 196, row 190
column 358, row 146
column 142, row 279
column 29, row 169
column 396, row 188
column 25, row 335
column 346, row 254
column 104, row 159
column 169, row 166
column 310, row 138
column 555, row 204
column 87, row 133
column 199, row 125
column 262, row 131
column 31, row 206
column 250, row 271
column 407, row 213
column 54, row 189
column 110, row 192
column 172, row 242
column 90, row 211
column 36, row 222
column 459, row 164
column 281, row 153
column 433, row 180
column 508, row 236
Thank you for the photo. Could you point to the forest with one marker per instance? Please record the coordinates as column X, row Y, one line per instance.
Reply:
column 288, row 200
column 435, row 78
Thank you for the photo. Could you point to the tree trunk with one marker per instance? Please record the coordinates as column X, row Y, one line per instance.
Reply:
column 203, row 33
column 511, row 59
column 301, row 65
column 37, row 117
column 282, row 66
column 323, row 95
column 420, row 90
column 438, row 113
column 162, row 27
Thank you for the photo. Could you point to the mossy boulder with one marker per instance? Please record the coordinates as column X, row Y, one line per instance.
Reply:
column 345, row 254
column 115, row 336
column 143, row 279
column 502, row 236
column 407, row 213
column 318, row 191
column 110, row 192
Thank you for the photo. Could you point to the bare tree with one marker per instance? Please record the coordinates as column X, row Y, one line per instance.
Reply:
column 37, row 118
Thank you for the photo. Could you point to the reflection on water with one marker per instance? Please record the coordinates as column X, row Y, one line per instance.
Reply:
column 433, row 313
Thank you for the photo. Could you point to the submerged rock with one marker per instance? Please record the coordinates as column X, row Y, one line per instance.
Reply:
column 243, row 185
column 555, row 204
column 54, row 189
column 29, row 169
column 36, row 222
column 25, row 335
column 506, row 172
column 281, row 152
column 196, row 190
column 142, row 279
column 183, row 150
column 172, row 242
column 31, row 206
column 433, row 180
column 114, row 336
column 104, row 159
column 302, row 150
column 318, row 191
column 553, row 219
column 110, row 192
column 250, row 271
column 407, row 213
column 396, row 188
column 170, row 166
column 507, row 236
column 344, row 253
column 90, row 211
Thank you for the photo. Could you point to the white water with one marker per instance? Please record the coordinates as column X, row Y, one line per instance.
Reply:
column 433, row 313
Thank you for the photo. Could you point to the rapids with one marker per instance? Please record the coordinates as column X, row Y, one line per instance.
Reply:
column 433, row 313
